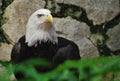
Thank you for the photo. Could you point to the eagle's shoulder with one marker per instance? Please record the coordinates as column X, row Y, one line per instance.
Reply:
column 62, row 42
column 68, row 49
column 16, row 50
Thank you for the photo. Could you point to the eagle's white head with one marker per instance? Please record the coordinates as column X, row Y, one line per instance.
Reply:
column 40, row 28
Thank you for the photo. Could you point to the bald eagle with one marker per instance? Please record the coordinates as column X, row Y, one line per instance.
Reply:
column 41, row 41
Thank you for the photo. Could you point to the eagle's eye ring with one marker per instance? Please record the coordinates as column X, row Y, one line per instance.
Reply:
column 39, row 15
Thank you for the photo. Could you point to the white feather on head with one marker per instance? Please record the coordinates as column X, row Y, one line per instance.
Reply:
column 40, row 29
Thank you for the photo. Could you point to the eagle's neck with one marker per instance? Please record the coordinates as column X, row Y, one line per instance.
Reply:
column 33, row 36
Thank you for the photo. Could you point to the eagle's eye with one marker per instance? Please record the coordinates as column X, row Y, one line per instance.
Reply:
column 39, row 15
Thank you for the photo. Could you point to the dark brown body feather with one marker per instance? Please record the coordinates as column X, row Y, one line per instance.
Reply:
column 54, row 53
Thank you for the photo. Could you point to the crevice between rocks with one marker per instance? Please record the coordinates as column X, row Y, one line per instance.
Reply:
column 80, row 14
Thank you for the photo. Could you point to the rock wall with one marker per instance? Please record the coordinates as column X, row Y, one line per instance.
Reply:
column 99, row 11
column 94, row 25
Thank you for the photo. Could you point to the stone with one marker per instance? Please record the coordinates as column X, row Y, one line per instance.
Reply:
column 16, row 16
column 87, row 49
column 79, row 33
column 99, row 11
column 114, row 38
column 0, row 3
column 71, row 28
column 5, row 51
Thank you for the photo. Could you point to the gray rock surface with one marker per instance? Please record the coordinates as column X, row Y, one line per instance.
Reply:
column 71, row 28
column 78, row 32
column 87, row 49
column 5, row 51
column 0, row 3
column 114, row 38
column 16, row 16
column 99, row 11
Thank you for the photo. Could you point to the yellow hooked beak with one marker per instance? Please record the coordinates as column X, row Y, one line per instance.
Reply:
column 49, row 18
